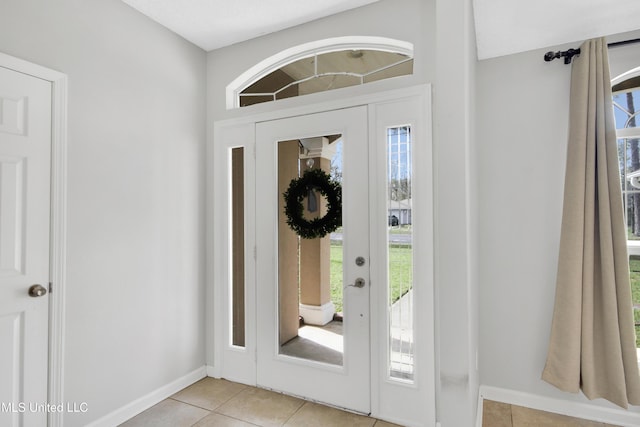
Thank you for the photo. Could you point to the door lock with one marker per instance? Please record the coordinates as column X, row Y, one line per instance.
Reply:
column 359, row 283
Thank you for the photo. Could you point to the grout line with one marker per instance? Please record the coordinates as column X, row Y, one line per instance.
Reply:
column 201, row 419
column 207, row 409
column 215, row 411
column 304, row 402
column 212, row 412
column 245, row 388
column 187, row 403
column 511, row 414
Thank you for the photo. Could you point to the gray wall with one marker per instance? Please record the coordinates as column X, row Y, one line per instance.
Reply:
column 135, row 291
column 522, row 112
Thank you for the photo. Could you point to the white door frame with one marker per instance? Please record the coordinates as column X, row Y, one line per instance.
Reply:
column 58, row 222
column 240, row 131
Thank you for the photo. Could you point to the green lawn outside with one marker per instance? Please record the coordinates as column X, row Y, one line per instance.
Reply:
column 336, row 276
column 401, row 229
column 400, row 273
column 400, row 270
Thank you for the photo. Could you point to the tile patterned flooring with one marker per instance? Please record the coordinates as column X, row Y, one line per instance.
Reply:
column 497, row 414
column 216, row 402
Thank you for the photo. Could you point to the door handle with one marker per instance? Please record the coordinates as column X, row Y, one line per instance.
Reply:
column 37, row 291
column 359, row 283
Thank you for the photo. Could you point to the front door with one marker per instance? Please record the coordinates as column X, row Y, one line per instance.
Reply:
column 344, row 318
column 25, row 158
column 313, row 290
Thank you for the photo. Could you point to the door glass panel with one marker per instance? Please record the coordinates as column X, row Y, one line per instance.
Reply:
column 237, row 247
column 400, row 253
column 310, row 273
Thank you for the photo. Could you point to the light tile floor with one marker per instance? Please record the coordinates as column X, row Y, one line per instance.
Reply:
column 498, row 414
column 214, row 402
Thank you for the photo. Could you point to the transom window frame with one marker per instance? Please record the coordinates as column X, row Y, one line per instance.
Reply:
column 318, row 47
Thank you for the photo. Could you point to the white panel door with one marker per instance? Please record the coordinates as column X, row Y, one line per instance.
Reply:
column 25, row 158
column 344, row 382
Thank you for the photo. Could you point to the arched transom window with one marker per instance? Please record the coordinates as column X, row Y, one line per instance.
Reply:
column 322, row 66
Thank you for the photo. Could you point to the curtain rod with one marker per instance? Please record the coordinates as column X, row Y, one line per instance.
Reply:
column 569, row 54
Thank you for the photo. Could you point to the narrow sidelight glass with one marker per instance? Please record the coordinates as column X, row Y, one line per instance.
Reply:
column 400, row 254
column 237, row 247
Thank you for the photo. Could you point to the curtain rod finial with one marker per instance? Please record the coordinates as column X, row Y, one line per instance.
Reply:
column 566, row 54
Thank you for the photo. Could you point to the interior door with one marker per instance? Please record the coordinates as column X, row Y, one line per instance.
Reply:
column 25, row 145
column 328, row 362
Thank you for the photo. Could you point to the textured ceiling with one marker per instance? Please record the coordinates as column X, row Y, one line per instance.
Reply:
column 212, row 24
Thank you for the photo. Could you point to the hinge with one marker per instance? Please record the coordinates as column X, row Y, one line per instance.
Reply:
column 50, row 287
column 255, row 253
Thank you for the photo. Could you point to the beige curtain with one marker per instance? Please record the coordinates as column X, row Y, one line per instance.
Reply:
column 592, row 345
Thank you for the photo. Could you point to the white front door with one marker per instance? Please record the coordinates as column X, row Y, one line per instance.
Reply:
column 381, row 358
column 25, row 158
column 330, row 364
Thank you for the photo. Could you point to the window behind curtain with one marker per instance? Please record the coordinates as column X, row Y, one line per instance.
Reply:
column 626, row 106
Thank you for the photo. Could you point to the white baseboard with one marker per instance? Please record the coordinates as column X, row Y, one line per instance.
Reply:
column 614, row 416
column 212, row 371
column 132, row 409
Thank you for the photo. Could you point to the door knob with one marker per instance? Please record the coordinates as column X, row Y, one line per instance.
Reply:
column 37, row 291
column 359, row 283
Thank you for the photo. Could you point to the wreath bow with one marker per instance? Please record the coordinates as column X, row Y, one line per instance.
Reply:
column 299, row 188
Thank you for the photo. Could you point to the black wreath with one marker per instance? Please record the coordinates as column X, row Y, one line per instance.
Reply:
column 313, row 179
